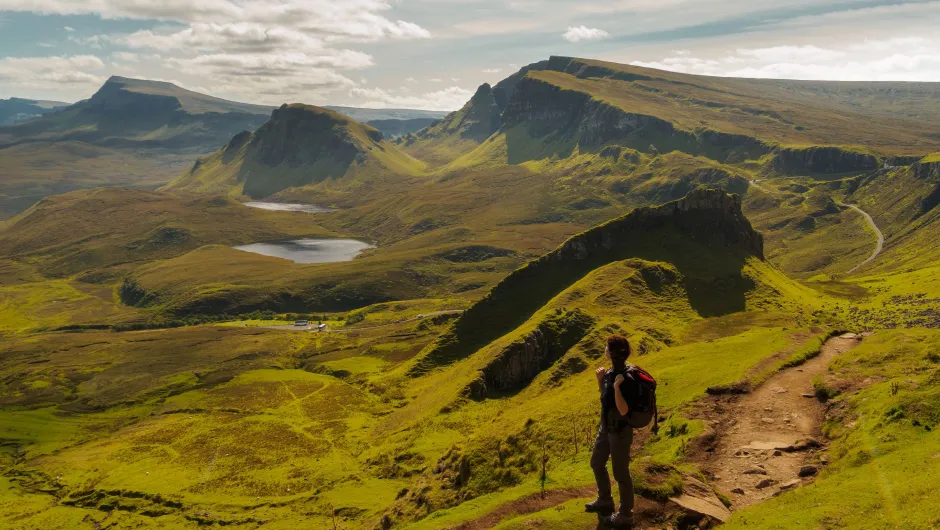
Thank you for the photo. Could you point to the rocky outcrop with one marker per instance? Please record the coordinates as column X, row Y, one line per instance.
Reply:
column 549, row 111
column 516, row 366
column 808, row 160
column 705, row 221
column 483, row 115
column 929, row 169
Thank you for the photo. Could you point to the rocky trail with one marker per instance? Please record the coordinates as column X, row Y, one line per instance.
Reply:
column 759, row 445
column 767, row 441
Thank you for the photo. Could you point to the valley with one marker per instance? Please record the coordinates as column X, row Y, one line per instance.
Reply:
column 747, row 236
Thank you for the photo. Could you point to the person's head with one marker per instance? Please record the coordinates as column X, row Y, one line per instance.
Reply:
column 618, row 350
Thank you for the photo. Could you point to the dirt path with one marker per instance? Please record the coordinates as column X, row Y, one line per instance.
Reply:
column 765, row 441
column 881, row 237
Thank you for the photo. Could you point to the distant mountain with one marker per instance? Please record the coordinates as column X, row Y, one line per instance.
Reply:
column 300, row 145
column 366, row 115
column 138, row 113
column 18, row 110
column 392, row 122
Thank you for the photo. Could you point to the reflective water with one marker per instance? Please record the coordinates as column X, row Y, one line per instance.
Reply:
column 310, row 250
column 288, row 207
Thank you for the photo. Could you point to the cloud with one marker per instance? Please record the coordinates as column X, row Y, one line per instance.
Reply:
column 305, row 44
column 69, row 29
column 579, row 33
column 446, row 99
column 492, row 70
column 53, row 73
column 126, row 57
column 900, row 59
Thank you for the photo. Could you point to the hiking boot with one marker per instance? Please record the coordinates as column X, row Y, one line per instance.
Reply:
column 604, row 506
column 619, row 520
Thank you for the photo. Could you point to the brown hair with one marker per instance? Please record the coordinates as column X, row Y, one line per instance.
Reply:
column 619, row 347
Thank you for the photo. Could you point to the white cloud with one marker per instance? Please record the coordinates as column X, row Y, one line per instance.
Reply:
column 126, row 57
column 492, row 70
column 579, row 33
column 436, row 80
column 70, row 29
column 411, row 80
column 302, row 44
column 447, row 99
column 53, row 73
column 901, row 59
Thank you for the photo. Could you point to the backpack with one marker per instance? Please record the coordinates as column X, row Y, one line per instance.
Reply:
column 639, row 391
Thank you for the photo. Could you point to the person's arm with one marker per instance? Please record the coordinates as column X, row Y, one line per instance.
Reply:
column 622, row 406
column 599, row 374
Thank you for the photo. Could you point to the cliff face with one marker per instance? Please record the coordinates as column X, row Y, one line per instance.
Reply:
column 706, row 224
column 822, row 160
column 547, row 110
column 516, row 366
column 929, row 170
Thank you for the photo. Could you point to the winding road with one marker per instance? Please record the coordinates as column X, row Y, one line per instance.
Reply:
column 881, row 237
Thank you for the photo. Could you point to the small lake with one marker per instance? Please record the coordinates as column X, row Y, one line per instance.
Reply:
column 310, row 250
column 288, row 207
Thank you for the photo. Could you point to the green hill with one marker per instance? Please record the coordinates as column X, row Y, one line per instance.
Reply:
column 300, row 145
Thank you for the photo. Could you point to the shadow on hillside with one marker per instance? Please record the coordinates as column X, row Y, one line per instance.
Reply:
column 712, row 274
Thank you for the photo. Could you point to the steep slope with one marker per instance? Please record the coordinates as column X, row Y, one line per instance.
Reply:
column 905, row 205
column 18, row 110
column 460, row 131
column 711, row 218
column 300, row 145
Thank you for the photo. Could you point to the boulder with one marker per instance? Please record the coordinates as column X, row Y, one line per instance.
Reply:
column 699, row 499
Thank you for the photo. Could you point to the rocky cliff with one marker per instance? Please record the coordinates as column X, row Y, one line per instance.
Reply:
column 704, row 224
column 517, row 365
column 477, row 120
column 928, row 170
column 807, row 160
column 548, row 111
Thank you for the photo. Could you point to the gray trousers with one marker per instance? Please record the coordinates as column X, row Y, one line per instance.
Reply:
column 614, row 446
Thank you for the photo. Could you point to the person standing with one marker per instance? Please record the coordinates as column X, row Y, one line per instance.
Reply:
column 614, row 438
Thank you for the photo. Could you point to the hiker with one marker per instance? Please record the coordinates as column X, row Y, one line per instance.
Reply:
column 613, row 439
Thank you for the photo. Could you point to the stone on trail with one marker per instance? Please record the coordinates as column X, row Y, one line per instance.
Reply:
column 699, row 499
column 808, row 471
column 738, row 491
column 766, row 483
column 767, row 420
column 787, row 486
column 809, row 395
column 755, row 471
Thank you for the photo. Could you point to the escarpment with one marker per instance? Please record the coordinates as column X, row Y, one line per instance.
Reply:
column 517, row 365
column 789, row 161
column 705, row 225
column 549, row 111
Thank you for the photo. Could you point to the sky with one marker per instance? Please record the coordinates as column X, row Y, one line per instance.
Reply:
column 433, row 54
